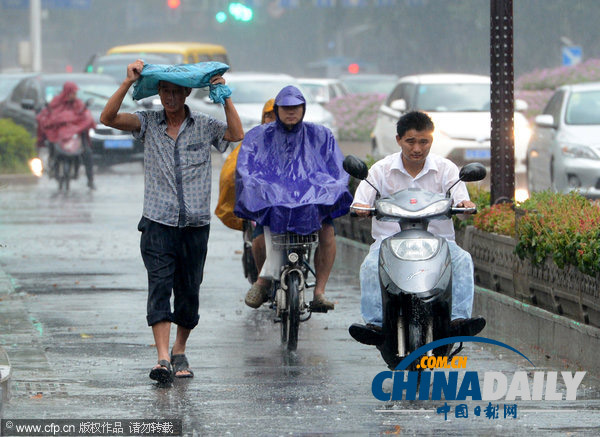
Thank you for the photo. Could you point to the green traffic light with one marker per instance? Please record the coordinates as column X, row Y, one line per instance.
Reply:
column 221, row 17
column 240, row 12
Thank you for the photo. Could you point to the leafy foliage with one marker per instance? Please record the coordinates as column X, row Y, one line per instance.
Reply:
column 17, row 147
column 565, row 227
column 499, row 218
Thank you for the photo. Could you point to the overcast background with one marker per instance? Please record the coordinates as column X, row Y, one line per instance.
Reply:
column 391, row 36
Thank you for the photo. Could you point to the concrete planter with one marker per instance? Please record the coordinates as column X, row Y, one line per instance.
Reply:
column 564, row 291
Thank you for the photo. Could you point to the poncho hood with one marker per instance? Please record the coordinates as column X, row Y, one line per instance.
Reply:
column 63, row 117
column 290, row 96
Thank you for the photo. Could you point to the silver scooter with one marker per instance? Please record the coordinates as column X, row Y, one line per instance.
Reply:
column 415, row 271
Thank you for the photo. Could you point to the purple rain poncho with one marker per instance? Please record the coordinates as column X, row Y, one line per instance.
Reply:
column 290, row 180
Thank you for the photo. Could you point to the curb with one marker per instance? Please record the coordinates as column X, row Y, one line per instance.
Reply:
column 7, row 287
column 542, row 334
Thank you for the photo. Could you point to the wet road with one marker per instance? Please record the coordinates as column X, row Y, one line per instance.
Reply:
column 76, row 333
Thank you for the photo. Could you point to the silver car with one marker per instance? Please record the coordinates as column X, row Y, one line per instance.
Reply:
column 564, row 151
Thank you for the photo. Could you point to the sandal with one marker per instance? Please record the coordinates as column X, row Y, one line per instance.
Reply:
column 321, row 305
column 181, row 364
column 163, row 373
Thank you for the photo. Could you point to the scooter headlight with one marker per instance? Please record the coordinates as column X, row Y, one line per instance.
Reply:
column 415, row 249
column 391, row 208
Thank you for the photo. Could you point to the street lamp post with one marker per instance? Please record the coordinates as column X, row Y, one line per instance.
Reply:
column 502, row 185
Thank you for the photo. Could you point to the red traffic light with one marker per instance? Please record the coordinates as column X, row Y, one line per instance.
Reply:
column 353, row 68
column 173, row 4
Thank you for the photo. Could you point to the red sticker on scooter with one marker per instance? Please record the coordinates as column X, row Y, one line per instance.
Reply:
column 413, row 201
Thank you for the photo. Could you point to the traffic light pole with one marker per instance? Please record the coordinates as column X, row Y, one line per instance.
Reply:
column 502, row 101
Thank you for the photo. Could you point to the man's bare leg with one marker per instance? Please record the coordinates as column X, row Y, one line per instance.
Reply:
column 179, row 346
column 324, row 258
column 162, row 332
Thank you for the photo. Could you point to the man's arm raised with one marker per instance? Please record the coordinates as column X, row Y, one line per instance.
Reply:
column 235, row 131
column 110, row 114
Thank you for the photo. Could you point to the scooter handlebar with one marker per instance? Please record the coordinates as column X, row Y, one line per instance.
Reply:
column 456, row 210
column 353, row 210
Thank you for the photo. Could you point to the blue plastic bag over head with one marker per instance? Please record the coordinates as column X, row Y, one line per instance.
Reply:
column 187, row 75
column 290, row 179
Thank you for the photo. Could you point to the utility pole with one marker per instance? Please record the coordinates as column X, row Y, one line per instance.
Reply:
column 35, row 34
column 502, row 101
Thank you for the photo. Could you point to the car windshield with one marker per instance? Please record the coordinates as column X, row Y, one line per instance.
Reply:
column 583, row 108
column 97, row 94
column 254, row 91
column 453, row 97
column 316, row 90
column 173, row 58
column 360, row 85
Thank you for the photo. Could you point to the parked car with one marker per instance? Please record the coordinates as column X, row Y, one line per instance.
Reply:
column 564, row 152
column 8, row 81
column 459, row 105
column 250, row 91
column 109, row 146
column 323, row 90
column 366, row 83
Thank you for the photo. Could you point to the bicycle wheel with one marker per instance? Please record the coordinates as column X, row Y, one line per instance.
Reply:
column 293, row 306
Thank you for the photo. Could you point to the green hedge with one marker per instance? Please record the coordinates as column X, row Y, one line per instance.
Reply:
column 17, row 147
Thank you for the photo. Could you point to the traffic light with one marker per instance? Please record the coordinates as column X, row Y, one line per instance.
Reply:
column 221, row 17
column 240, row 12
column 353, row 68
column 173, row 4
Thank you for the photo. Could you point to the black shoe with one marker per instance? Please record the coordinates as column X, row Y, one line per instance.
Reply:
column 91, row 185
column 366, row 334
column 466, row 327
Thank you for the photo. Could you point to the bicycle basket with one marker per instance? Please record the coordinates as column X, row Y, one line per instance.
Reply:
column 290, row 240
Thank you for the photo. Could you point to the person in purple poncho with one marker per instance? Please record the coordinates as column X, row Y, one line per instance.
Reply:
column 289, row 177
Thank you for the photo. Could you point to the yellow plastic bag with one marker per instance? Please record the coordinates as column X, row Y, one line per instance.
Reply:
column 226, row 202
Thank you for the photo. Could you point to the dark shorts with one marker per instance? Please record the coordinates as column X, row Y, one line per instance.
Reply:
column 259, row 230
column 174, row 259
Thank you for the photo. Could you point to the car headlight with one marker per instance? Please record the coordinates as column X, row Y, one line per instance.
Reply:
column 415, row 249
column 579, row 151
column 522, row 134
column 390, row 208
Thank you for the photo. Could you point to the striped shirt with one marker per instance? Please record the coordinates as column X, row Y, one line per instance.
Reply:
column 177, row 173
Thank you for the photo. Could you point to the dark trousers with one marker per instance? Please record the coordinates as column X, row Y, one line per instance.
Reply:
column 174, row 259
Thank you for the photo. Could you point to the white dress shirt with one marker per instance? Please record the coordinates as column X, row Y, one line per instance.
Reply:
column 389, row 176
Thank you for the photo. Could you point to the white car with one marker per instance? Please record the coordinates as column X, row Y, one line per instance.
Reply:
column 323, row 90
column 564, row 151
column 250, row 91
column 459, row 105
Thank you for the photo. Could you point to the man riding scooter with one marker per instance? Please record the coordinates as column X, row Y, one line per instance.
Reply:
column 414, row 167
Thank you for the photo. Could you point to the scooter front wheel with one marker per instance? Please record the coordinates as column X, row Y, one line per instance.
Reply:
column 293, row 310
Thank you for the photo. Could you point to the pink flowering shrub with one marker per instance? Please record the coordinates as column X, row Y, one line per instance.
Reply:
column 355, row 115
column 537, row 87
column 551, row 78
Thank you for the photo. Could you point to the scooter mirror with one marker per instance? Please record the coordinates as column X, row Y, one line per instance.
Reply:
column 474, row 171
column 355, row 167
